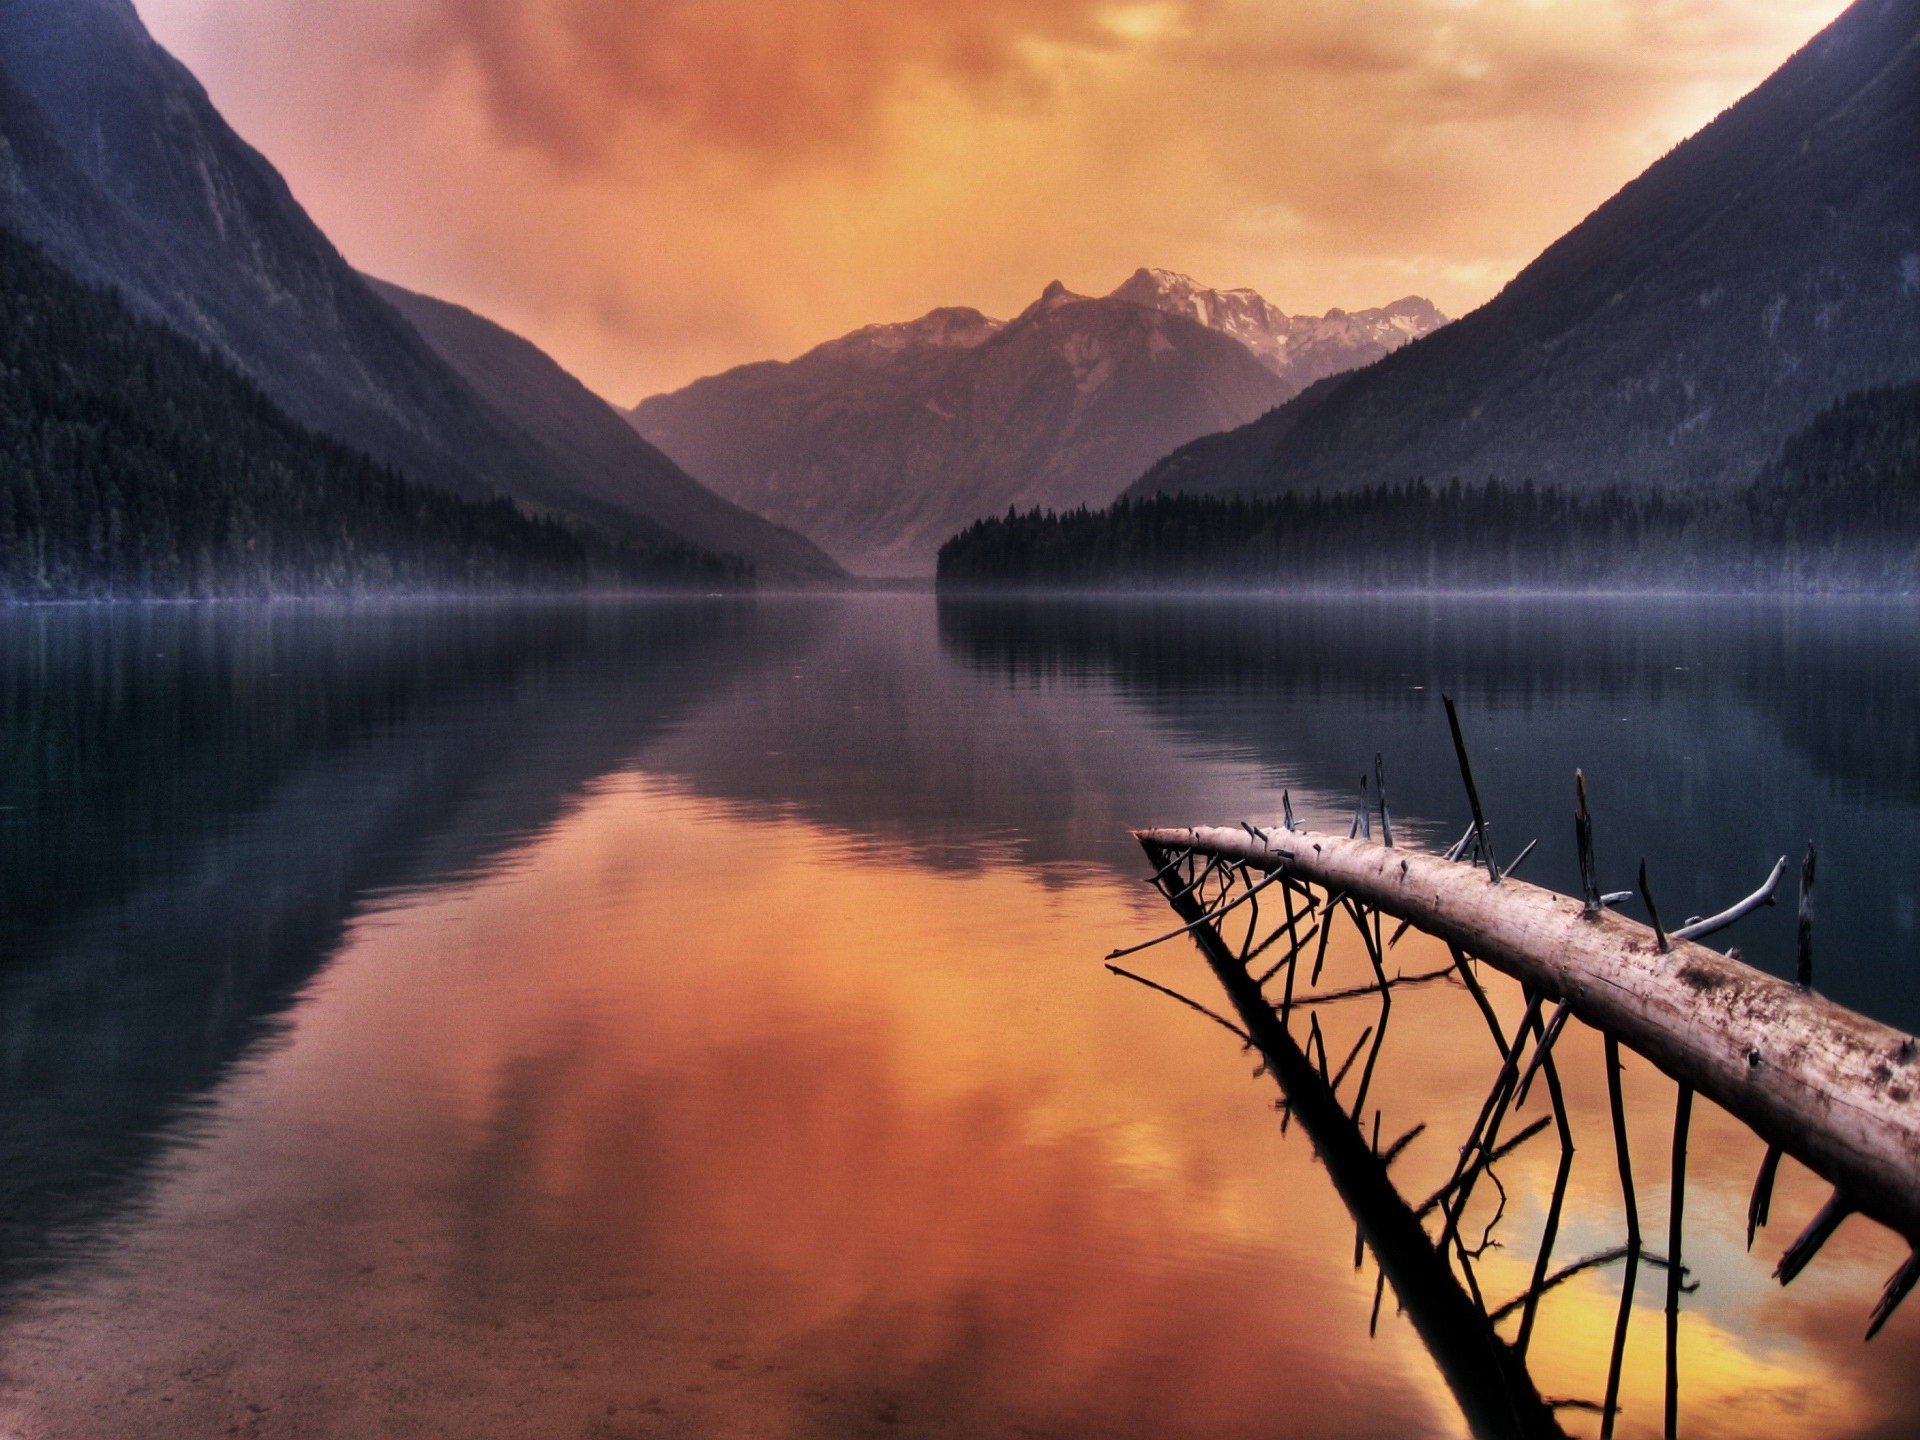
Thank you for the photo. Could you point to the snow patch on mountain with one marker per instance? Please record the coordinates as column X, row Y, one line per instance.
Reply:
column 1300, row 349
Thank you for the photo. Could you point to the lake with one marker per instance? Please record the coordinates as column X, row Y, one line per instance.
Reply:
column 686, row 1018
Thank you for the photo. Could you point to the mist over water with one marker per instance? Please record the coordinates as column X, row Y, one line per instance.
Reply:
column 686, row 1018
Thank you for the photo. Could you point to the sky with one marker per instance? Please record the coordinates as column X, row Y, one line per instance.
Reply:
column 655, row 190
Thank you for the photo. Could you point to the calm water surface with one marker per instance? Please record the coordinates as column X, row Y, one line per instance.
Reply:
column 686, row 1019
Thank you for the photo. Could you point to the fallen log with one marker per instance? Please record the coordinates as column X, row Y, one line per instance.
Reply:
column 1834, row 1089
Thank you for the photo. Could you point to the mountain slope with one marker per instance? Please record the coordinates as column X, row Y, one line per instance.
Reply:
column 138, row 465
column 524, row 384
column 884, row 442
column 233, row 262
column 1680, row 333
column 113, row 157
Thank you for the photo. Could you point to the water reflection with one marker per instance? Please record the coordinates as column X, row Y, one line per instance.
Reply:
column 686, row 1020
column 763, row 1175
column 1715, row 737
column 1487, row 1375
column 196, row 802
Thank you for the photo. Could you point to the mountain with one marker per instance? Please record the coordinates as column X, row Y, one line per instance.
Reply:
column 113, row 158
column 569, row 421
column 1300, row 349
column 884, row 442
column 1760, row 270
column 142, row 466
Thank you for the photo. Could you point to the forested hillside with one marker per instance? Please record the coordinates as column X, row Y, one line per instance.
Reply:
column 1838, row 510
column 133, row 463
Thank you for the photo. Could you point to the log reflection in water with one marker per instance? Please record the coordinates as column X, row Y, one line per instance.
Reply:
column 1488, row 1377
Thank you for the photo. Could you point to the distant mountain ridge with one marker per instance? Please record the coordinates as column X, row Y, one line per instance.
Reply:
column 1677, row 336
column 882, row 443
column 113, row 158
column 1300, row 349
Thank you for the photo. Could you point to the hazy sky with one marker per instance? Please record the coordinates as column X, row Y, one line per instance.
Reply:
column 657, row 189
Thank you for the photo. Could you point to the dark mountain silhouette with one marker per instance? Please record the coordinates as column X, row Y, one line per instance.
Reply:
column 115, row 160
column 526, row 385
column 1761, row 270
column 139, row 465
column 882, row 443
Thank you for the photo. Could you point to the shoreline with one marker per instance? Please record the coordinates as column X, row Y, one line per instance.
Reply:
column 964, row 595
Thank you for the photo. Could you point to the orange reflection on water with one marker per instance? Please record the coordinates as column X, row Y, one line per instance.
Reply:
column 691, row 1121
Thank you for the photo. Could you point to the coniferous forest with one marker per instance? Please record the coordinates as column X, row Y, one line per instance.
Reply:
column 1837, row 510
column 134, row 464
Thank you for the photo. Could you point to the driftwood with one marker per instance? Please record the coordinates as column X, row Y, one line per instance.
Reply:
column 1839, row 1092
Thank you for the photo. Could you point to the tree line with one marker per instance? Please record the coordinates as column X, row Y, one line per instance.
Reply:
column 135, row 464
column 1837, row 510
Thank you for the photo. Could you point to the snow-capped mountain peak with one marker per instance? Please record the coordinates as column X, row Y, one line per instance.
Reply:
column 1299, row 348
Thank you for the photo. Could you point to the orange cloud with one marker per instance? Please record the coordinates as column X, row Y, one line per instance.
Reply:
column 656, row 189
column 805, row 77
